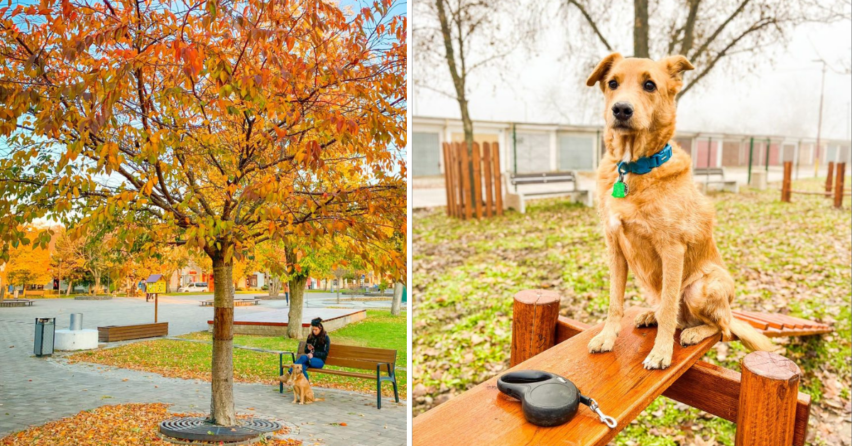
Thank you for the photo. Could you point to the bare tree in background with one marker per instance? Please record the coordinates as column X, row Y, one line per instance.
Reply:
column 465, row 36
column 708, row 33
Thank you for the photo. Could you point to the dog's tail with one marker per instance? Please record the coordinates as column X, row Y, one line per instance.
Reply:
column 751, row 338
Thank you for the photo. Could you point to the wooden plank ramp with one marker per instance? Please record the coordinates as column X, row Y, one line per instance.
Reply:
column 616, row 380
column 780, row 325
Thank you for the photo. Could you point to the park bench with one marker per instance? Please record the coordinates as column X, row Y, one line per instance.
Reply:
column 763, row 401
column 16, row 303
column 238, row 302
column 718, row 177
column 114, row 333
column 353, row 357
column 517, row 199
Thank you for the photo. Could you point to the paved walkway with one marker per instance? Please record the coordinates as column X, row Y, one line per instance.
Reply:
column 37, row 390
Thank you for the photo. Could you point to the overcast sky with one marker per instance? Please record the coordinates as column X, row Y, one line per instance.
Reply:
column 778, row 99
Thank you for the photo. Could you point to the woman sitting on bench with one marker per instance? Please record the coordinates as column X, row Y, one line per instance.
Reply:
column 316, row 348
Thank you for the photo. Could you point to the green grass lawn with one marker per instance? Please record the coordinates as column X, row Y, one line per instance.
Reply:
column 191, row 360
column 788, row 258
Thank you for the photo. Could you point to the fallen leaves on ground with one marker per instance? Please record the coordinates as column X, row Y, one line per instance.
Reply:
column 118, row 425
column 191, row 360
column 790, row 258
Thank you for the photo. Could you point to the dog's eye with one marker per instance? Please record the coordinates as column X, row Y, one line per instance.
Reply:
column 649, row 86
column 613, row 85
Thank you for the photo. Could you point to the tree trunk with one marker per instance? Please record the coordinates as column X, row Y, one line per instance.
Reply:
column 70, row 285
column 97, row 275
column 274, row 286
column 222, row 410
column 297, row 300
column 397, row 298
column 640, row 29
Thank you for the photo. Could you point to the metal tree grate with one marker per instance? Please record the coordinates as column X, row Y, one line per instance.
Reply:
column 199, row 429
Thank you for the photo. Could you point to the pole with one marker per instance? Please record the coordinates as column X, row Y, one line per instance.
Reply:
column 768, row 142
column 819, row 124
column 750, row 157
column 707, row 177
column 156, row 303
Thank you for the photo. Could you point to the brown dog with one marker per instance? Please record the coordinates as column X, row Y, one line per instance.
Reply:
column 302, row 391
column 662, row 229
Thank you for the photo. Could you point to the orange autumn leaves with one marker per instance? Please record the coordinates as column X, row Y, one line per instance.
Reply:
column 118, row 425
column 217, row 127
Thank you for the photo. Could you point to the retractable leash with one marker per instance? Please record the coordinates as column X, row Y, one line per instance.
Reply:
column 548, row 399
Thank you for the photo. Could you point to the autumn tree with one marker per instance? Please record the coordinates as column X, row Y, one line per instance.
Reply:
column 708, row 33
column 66, row 262
column 214, row 125
column 26, row 263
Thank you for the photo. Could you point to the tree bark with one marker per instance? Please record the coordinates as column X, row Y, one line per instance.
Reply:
column 458, row 74
column 274, row 286
column 397, row 298
column 640, row 29
column 70, row 285
column 297, row 299
column 222, row 410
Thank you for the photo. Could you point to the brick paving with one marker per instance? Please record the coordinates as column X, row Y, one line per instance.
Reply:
column 37, row 390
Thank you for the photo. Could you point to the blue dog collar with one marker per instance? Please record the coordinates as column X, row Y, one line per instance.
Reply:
column 647, row 163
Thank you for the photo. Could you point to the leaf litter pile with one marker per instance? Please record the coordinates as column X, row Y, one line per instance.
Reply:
column 119, row 425
column 791, row 258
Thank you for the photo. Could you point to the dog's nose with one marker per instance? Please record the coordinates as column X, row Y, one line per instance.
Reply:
column 622, row 111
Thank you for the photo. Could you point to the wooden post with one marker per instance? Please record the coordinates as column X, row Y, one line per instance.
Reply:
column 487, row 166
column 839, row 173
column 534, row 317
column 767, row 405
column 786, row 183
column 498, row 182
column 448, row 183
column 156, row 304
column 465, row 190
column 477, row 179
column 829, row 179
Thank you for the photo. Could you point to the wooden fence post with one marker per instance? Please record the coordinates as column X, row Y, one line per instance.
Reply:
column 487, row 168
column 477, row 179
column 839, row 173
column 829, row 179
column 786, row 183
column 448, row 178
column 498, row 181
column 534, row 317
column 767, row 405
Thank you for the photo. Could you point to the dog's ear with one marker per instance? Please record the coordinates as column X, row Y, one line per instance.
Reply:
column 602, row 69
column 676, row 65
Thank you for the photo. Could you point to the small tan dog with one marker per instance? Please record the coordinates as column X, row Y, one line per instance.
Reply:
column 302, row 391
column 662, row 228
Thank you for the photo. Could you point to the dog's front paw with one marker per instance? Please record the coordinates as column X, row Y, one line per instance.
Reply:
column 603, row 342
column 645, row 319
column 659, row 358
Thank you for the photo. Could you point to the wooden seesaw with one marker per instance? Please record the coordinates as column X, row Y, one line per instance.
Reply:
column 763, row 401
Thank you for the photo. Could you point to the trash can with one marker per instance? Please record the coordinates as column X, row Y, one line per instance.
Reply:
column 45, row 330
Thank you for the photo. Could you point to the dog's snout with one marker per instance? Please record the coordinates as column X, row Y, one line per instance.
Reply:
column 622, row 111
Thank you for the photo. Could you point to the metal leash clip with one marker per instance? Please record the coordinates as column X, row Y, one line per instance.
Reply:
column 605, row 419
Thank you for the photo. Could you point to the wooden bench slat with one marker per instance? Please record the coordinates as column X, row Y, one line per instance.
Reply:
column 616, row 380
column 705, row 386
column 344, row 373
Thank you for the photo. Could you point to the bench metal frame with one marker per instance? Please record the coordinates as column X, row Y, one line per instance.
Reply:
column 391, row 375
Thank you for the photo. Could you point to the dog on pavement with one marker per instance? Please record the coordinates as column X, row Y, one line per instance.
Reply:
column 655, row 220
column 302, row 391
